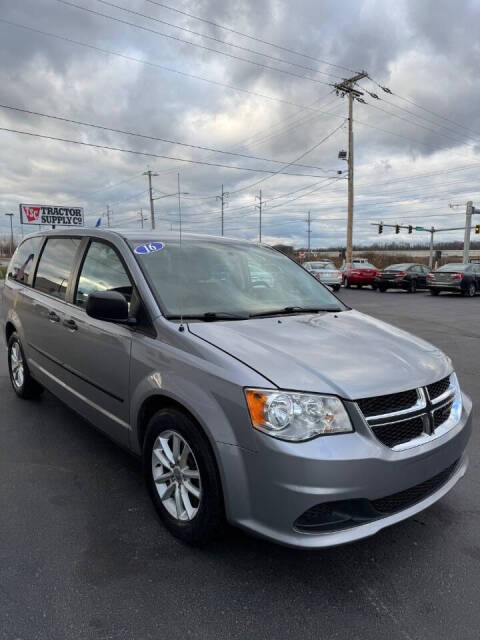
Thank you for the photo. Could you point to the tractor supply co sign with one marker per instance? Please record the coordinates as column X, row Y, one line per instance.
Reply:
column 47, row 214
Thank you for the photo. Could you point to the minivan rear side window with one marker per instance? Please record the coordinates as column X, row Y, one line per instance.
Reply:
column 55, row 266
column 102, row 270
column 23, row 259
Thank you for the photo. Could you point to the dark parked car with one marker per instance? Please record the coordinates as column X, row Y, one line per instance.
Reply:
column 407, row 276
column 457, row 278
column 360, row 274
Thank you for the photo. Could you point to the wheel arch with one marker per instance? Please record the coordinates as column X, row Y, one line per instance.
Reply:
column 9, row 329
column 155, row 403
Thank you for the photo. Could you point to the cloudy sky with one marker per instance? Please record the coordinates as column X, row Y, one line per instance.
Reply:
column 262, row 107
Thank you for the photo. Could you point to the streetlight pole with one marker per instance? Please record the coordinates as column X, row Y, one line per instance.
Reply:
column 10, row 215
column 468, row 229
column 309, row 233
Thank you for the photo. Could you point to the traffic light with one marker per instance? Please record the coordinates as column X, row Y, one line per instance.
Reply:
column 380, row 228
column 410, row 228
column 477, row 228
column 397, row 228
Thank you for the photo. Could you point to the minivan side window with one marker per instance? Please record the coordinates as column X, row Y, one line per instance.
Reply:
column 102, row 270
column 23, row 259
column 55, row 266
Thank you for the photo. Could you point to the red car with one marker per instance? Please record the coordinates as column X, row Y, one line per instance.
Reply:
column 360, row 274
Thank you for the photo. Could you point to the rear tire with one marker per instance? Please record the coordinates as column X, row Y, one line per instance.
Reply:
column 22, row 382
column 183, row 483
column 470, row 291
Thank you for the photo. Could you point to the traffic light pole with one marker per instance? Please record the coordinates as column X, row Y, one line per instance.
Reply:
column 431, row 231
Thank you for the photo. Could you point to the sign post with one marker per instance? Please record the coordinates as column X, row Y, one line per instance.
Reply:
column 51, row 215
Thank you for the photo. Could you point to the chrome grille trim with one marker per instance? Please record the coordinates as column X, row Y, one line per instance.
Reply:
column 424, row 408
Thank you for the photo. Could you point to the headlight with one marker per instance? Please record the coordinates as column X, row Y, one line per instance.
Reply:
column 296, row 416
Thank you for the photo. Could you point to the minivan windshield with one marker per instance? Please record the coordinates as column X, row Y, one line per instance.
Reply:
column 209, row 279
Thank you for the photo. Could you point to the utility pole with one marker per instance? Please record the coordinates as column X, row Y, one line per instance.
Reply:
column 149, row 173
column 222, row 201
column 343, row 88
column 10, row 215
column 179, row 207
column 468, row 228
column 259, row 207
column 309, row 233
column 142, row 219
column 108, row 215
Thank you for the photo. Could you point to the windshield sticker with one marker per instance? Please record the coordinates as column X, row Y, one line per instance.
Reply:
column 149, row 247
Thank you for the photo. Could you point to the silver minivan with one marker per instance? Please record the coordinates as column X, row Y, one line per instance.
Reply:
column 253, row 395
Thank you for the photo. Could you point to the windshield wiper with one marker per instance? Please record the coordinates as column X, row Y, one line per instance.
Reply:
column 289, row 310
column 211, row 316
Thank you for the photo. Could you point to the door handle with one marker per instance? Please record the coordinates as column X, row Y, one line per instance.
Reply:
column 52, row 316
column 70, row 324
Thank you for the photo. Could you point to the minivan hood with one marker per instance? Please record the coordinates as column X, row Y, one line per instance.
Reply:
column 349, row 354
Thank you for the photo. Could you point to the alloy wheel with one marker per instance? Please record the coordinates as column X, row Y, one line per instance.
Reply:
column 17, row 369
column 176, row 475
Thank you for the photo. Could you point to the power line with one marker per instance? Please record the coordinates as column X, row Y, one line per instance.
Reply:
column 147, row 137
column 437, row 115
column 152, row 155
column 194, row 44
column 244, row 35
column 224, row 42
column 315, row 146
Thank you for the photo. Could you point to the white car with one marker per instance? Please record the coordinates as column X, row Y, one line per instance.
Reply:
column 326, row 272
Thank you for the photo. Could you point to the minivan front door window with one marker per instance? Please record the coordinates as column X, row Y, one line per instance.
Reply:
column 102, row 270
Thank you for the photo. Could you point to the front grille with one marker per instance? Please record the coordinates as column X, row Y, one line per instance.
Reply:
column 407, row 498
column 389, row 403
column 441, row 415
column 399, row 432
column 437, row 388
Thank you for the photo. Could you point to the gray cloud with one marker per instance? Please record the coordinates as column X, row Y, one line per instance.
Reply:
column 425, row 51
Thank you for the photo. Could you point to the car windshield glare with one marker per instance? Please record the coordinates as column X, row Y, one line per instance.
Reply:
column 206, row 276
column 454, row 267
column 398, row 267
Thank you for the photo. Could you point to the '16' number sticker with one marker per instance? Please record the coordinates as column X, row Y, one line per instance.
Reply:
column 149, row 247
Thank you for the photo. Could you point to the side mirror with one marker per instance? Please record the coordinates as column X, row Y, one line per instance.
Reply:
column 110, row 306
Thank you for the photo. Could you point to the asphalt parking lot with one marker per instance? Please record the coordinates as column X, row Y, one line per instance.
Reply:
column 82, row 554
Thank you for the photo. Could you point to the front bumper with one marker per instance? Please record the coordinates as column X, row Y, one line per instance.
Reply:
column 268, row 490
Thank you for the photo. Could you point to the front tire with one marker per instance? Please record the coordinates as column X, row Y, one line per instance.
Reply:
column 346, row 283
column 182, row 477
column 22, row 382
